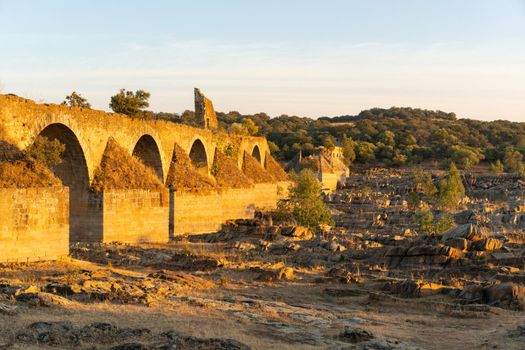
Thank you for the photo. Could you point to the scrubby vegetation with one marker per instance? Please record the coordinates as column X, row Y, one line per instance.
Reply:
column 76, row 100
column 46, row 151
column 274, row 169
column 119, row 170
column 435, row 224
column 451, row 189
column 227, row 174
column 28, row 169
column 254, row 171
column 183, row 176
column 305, row 206
column 394, row 136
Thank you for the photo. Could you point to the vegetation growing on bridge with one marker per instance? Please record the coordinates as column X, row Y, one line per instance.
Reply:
column 182, row 175
column 254, row 171
column 76, row 100
column 47, row 152
column 227, row 174
column 119, row 170
column 274, row 168
column 130, row 103
column 20, row 170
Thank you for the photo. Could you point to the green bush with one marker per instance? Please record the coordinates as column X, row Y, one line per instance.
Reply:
column 451, row 189
column 129, row 103
column 424, row 183
column 305, row 206
column 431, row 224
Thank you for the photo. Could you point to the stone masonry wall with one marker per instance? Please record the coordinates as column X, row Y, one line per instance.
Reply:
column 195, row 213
column 34, row 224
column 134, row 216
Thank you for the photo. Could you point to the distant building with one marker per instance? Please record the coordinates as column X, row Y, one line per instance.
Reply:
column 204, row 112
column 326, row 163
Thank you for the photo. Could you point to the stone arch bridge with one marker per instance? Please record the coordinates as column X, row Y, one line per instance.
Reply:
column 86, row 133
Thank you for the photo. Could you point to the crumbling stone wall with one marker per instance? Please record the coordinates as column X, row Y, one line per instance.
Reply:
column 34, row 224
column 204, row 112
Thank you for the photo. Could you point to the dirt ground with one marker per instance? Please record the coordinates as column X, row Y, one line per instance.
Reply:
column 281, row 314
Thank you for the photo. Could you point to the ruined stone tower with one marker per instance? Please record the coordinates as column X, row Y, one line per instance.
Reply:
column 204, row 112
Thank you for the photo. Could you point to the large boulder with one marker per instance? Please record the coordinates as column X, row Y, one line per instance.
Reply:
column 458, row 243
column 471, row 232
column 508, row 295
column 297, row 232
column 487, row 245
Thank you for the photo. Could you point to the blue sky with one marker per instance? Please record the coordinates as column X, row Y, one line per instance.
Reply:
column 308, row 58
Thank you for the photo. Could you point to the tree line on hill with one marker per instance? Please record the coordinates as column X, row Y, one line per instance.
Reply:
column 392, row 137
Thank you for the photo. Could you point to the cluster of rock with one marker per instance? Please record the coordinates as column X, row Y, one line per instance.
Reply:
column 471, row 237
column 103, row 285
column 103, row 335
column 122, row 254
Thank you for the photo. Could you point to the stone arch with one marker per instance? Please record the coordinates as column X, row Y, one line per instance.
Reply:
column 256, row 153
column 199, row 156
column 147, row 150
column 73, row 172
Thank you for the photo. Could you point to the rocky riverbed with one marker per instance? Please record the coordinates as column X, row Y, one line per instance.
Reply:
column 374, row 281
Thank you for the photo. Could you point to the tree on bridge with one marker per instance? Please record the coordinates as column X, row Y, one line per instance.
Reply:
column 129, row 102
column 76, row 100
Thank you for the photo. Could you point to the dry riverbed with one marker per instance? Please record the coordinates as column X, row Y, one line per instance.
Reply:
column 372, row 282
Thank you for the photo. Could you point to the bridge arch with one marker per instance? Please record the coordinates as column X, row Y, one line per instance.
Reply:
column 256, row 153
column 147, row 150
column 199, row 156
column 74, row 173
column 73, row 170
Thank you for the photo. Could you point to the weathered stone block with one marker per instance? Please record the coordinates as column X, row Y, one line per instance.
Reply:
column 34, row 224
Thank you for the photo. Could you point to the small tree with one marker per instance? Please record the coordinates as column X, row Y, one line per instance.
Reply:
column 348, row 150
column 250, row 126
column 76, row 100
column 306, row 204
column 512, row 160
column 129, row 103
column 424, row 183
column 426, row 220
column 451, row 188
column 45, row 151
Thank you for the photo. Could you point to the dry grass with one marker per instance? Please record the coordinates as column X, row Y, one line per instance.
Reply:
column 25, row 174
column 17, row 170
column 119, row 170
column 254, row 171
column 274, row 168
column 227, row 174
column 183, row 176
